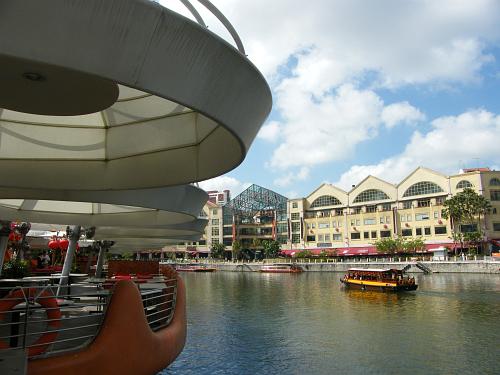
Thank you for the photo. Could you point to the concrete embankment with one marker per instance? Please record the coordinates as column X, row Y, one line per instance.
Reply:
column 435, row 267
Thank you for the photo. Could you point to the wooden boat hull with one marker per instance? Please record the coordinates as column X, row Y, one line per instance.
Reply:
column 377, row 286
column 196, row 269
column 125, row 344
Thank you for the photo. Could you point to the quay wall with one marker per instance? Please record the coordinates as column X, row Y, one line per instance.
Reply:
column 435, row 267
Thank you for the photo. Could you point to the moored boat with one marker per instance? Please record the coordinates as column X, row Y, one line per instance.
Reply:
column 389, row 279
column 195, row 268
column 281, row 268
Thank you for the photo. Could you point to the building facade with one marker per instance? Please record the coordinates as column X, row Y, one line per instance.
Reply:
column 350, row 222
column 255, row 215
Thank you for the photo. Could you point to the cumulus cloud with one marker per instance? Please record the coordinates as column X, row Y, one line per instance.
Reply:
column 225, row 183
column 403, row 112
column 292, row 177
column 324, row 128
column 291, row 194
column 471, row 135
column 326, row 61
column 404, row 42
column 270, row 131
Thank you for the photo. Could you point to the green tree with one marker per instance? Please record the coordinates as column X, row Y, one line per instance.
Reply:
column 236, row 249
column 390, row 245
column 386, row 245
column 218, row 250
column 466, row 208
column 303, row 254
column 127, row 256
column 474, row 240
column 413, row 245
column 255, row 246
column 15, row 269
column 271, row 248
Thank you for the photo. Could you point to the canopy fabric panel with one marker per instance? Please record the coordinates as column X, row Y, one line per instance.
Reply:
column 195, row 228
column 180, row 205
column 183, row 203
column 186, row 231
column 143, row 98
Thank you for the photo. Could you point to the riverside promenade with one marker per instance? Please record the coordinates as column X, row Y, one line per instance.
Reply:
column 487, row 265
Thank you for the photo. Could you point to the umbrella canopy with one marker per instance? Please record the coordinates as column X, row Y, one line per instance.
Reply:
column 86, row 214
column 131, row 95
column 191, row 231
column 146, row 207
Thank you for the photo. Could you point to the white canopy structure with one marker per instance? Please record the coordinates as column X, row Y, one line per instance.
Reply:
column 177, row 219
column 143, row 207
column 191, row 231
column 106, row 95
column 106, row 106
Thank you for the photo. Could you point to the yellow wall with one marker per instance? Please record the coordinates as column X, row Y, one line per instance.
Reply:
column 351, row 221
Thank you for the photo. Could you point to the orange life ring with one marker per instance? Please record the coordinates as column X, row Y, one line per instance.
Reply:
column 45, row 299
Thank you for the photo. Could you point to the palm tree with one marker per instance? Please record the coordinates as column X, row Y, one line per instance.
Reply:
column 236, row 248
column 466, row 208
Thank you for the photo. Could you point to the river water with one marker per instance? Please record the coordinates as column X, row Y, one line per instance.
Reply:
column 251, row 323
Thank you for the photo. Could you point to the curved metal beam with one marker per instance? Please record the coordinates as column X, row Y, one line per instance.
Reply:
column 217, row 13
column 194, row 12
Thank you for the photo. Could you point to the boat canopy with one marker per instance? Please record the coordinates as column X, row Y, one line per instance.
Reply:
column 372, row 270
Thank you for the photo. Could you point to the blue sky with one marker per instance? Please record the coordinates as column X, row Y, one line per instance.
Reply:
column 363, row 87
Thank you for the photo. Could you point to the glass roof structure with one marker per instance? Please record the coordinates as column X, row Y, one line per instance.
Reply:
column 256, row 199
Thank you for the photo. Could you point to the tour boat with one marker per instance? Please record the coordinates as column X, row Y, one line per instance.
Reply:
column 388, row 279
column 195, row 268
column 281, row 268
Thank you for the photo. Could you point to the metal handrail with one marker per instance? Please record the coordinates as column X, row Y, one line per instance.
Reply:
column 83, row 314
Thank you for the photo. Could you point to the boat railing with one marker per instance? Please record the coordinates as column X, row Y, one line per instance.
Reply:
column 37, row 322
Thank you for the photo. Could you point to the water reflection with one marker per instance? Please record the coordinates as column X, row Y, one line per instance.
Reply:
column 244, row 323
column 370, row 296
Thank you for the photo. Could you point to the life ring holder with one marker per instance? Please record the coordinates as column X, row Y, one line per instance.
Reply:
column 46, row 299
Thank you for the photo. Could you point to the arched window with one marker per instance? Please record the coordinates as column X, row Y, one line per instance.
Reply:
column 494, row 182
column 464, row 184
column 371, row 195
column 422, row 188
column 325, row 200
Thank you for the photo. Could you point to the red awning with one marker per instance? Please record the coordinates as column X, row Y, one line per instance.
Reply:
column 362, row 250
column 352, row 251
column 339, row 251
column 433, row 246
column 495, row 242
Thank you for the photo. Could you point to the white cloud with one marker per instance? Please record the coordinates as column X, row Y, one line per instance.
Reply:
column 467, row 137
column 319, row 56
column 291, row 177
column 320, row 128
column 225, row 183
column 398, row 113
column 270, row 131
column 404, row 42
